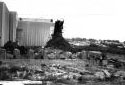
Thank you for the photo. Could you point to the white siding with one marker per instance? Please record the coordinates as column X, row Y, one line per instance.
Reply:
column 34, row 33
column 4, row 21
column 13, row 25
column 1, row 11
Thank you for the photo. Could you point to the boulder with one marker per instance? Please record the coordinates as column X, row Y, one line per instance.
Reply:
column 100, row 75
column 36, row 77
column 9, row 56
column 74, row 56
column 107, row 74
column 120, row 74
column 51, row 56
column 62, row 56
column 16, row 53
column 83, row 55
column 1, row 63
column 3, row 53
column 31, row 54
column 105, row 62
column 39, row 56
column 67, row 54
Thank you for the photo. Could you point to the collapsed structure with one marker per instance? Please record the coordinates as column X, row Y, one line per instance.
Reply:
column 57, row 40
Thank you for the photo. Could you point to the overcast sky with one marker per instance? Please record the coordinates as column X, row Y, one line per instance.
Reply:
column 98, row 19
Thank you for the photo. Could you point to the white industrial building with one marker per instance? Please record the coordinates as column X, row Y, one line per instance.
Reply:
column 34, row 32
column 27, row 31
column 13, row 22
column 4, row 24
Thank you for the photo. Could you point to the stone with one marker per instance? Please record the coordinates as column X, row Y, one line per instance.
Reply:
column 67, row 54
column 1, row 63
column 3, row 54
column 107, row 74
column 9, row 56
column 120, row 74
column 62, row 56
column 39, row 56
column 31, row 54
column 16, row 54
column 78, row 55
column 83, row 55
column 74, row 56
column 42, row 54
column 110, row 66
column 105, row 62
column 100, row 75
column 51, row 56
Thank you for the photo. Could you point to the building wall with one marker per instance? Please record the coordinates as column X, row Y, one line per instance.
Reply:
column 1, row 9
column 4, row 17
column 34, row 32
column 12, row 25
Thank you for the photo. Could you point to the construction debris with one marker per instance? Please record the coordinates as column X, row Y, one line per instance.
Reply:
column 97, row 66
column 57, row 40
column 59, row 73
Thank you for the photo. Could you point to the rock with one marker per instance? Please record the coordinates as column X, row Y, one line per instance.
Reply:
column 75, row 75
column 1, row 63
column 117, row 64
column 105, row 62
column 100, row 75
column 74, row 56
column 120, row 74
column 2, row 53
column 78, row 55
column 51, row 56
column 42, row 53
column 31, row 54
column 107, row 74
column 37, row 77
column 85, row 78
column 67, row 54
column 43, row 65
column 37, row 56
column 80, row 79
column 84, row 54
column 9, row 56
column 62, row 56
column 110, row 66
column 16, row 54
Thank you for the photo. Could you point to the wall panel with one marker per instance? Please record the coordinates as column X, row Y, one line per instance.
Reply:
column 34, row 33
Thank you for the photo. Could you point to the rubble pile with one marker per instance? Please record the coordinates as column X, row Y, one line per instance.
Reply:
column 57, row 40
column 60, row 73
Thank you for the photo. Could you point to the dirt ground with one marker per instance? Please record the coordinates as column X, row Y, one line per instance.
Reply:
column 79, row 64
column 34, row 64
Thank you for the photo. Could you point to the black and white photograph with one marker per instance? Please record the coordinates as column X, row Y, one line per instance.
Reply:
column 62, row 42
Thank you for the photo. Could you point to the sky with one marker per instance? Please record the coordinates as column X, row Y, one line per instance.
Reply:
column 97, row 19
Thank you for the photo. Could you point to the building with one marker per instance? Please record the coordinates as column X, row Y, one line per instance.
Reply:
column 4, row 24
column 34, row 32
column 13, row 21
column 28, row 31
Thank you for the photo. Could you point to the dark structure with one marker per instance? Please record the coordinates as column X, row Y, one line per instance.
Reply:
column 57, row 40
column 10, row 46
column 58, row 28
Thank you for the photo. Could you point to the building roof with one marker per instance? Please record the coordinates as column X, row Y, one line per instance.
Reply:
column 36, row 20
